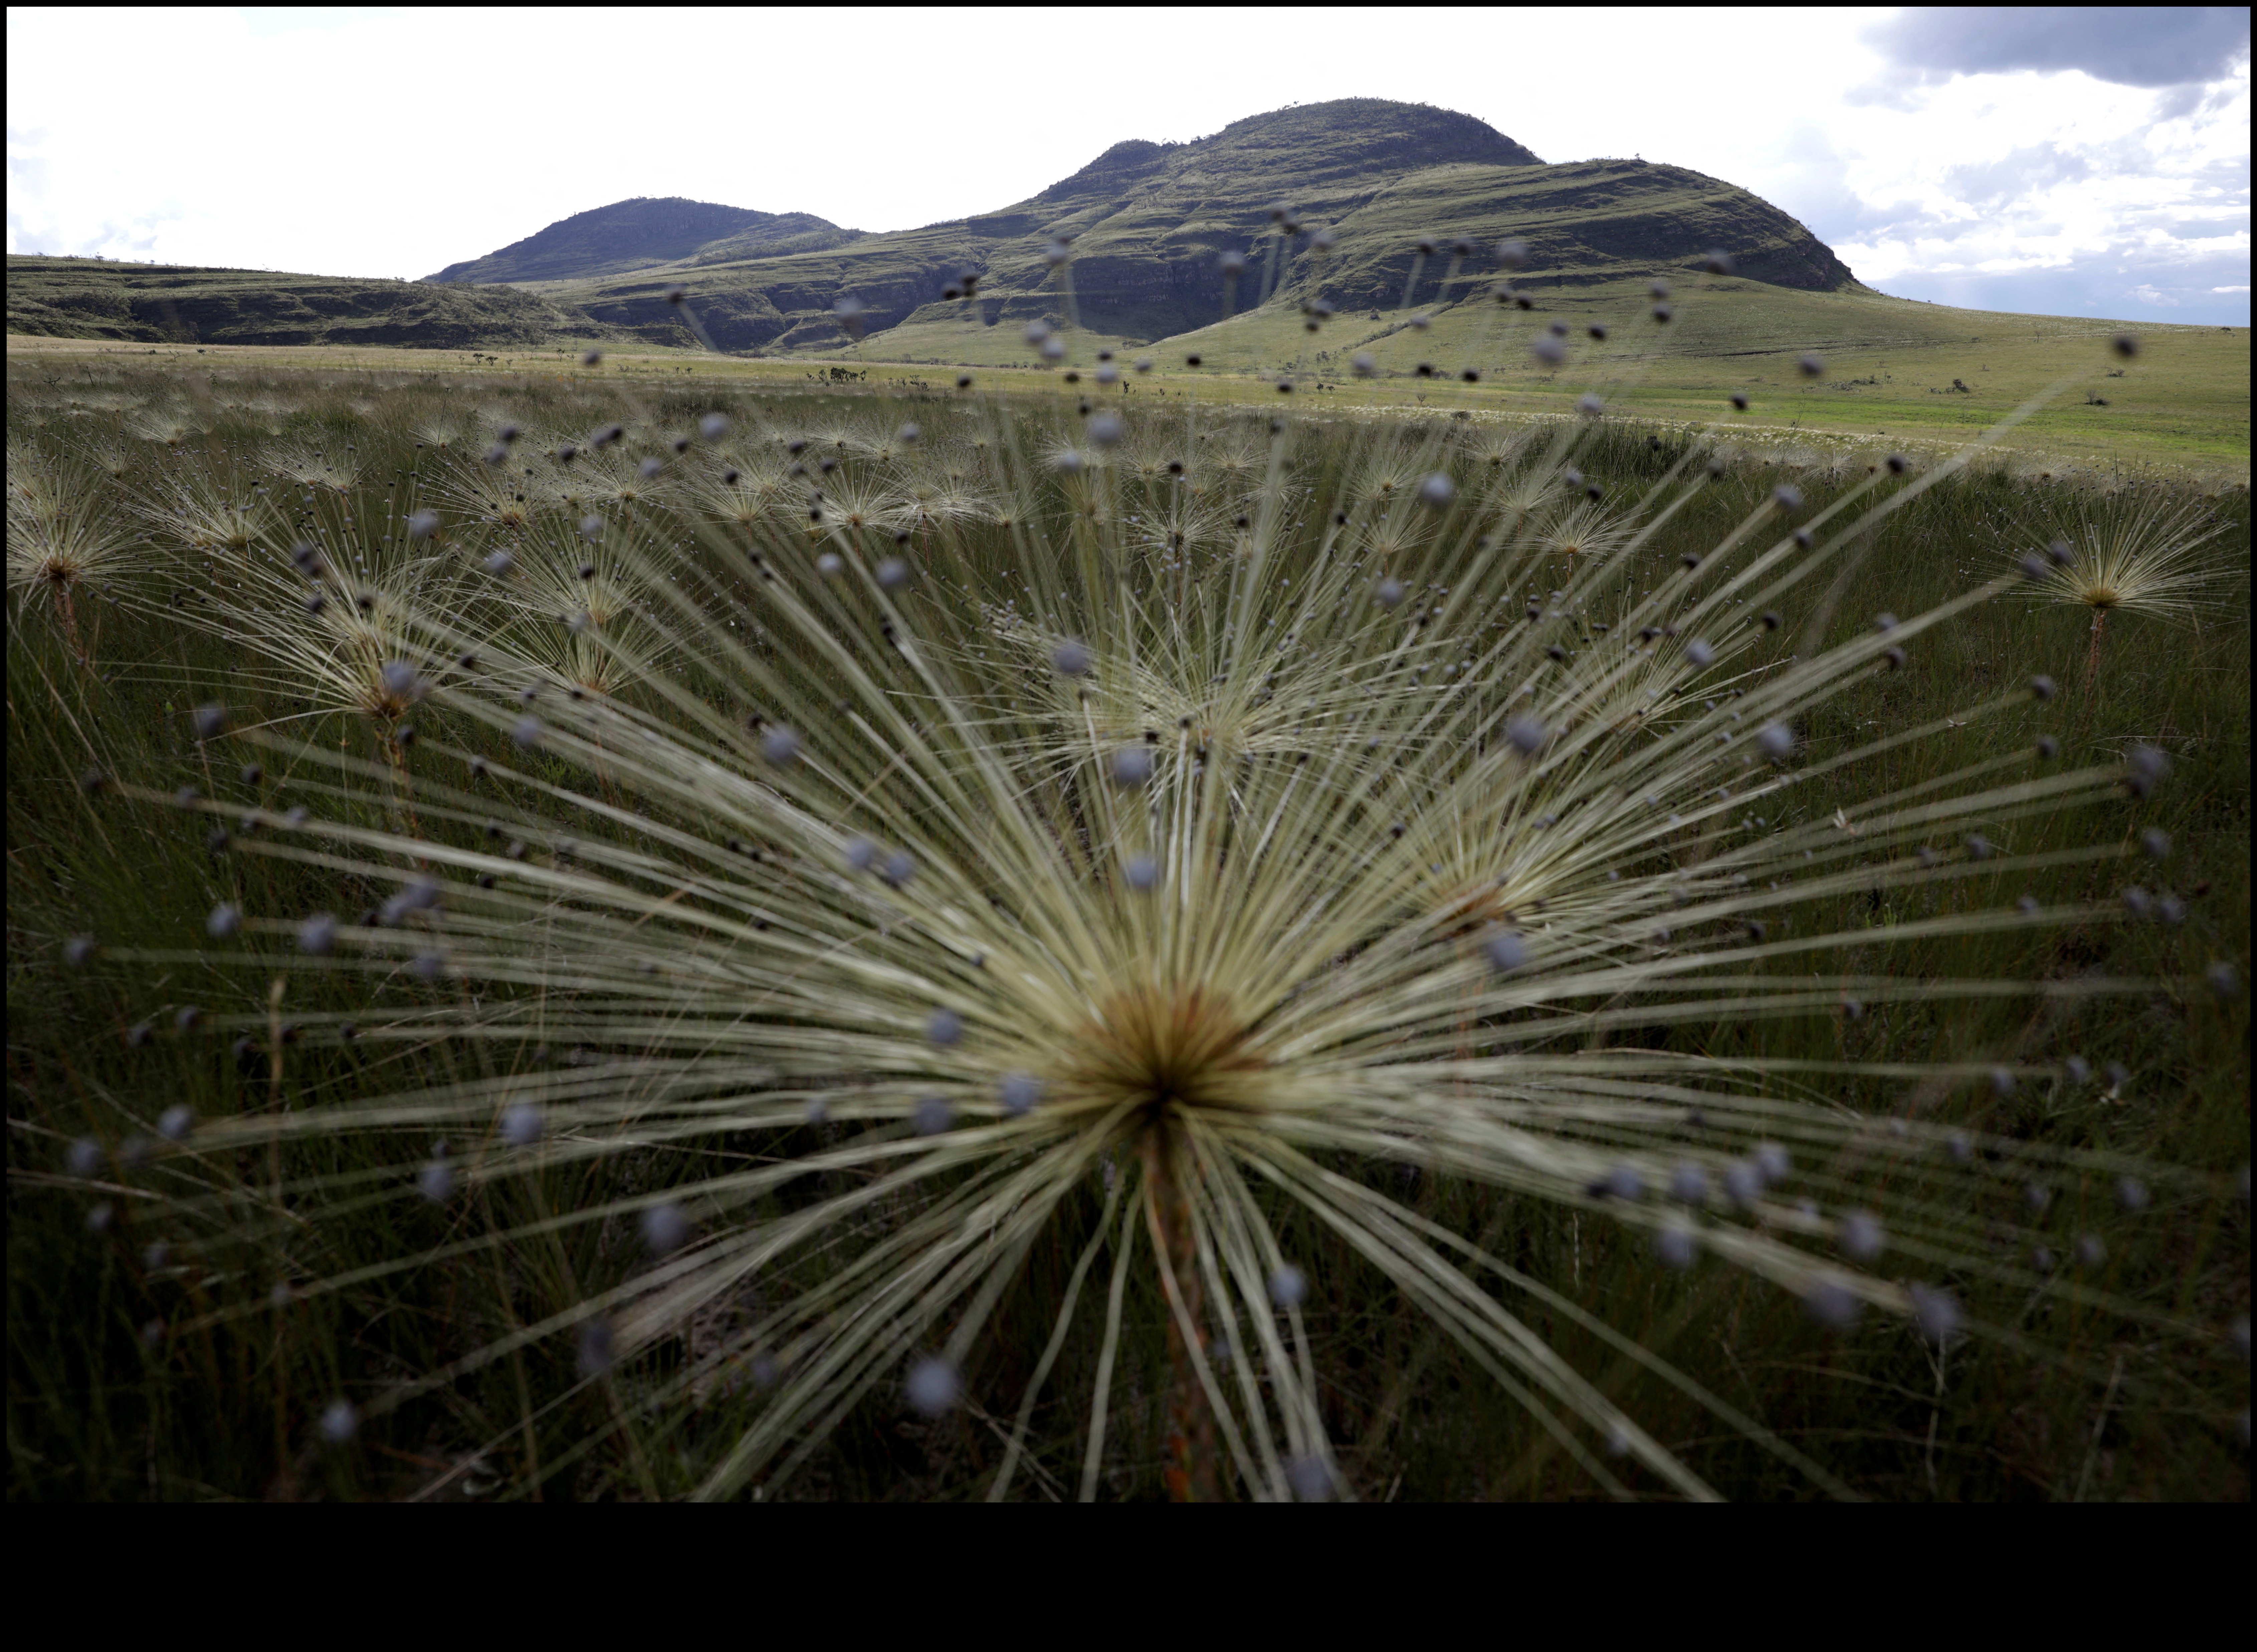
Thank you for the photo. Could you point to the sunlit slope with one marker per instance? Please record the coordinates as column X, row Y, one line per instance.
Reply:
column 162, row 303
column 1149, row 225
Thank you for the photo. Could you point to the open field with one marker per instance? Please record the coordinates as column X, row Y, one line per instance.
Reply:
column 1392, row 948
column 2181, row 404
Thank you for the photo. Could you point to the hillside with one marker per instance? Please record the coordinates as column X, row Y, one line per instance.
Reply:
column 160, row 303
column 1150, row 222
column 634, row 235
column 1149, row 225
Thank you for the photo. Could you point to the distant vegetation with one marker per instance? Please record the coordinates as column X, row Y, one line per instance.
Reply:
column 162, row 303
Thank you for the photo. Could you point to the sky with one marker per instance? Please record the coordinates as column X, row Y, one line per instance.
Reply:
column 2071, row 160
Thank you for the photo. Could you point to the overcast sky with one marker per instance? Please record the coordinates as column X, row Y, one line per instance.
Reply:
column 2083, row 161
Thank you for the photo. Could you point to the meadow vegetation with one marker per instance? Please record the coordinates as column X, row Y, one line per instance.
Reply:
column 572, row 935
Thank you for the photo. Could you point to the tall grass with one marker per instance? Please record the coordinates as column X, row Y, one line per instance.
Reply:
column 878, row 948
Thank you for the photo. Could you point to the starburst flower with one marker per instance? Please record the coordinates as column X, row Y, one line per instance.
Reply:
column 1029, row 890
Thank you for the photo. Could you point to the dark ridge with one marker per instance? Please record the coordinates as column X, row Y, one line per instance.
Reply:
column 170, row 303
column 638, row 233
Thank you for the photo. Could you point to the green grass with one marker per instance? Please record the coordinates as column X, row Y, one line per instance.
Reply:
column 221, row 1399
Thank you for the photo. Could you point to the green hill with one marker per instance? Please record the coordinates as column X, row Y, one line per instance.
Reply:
column 1149, row 222
column 634, row 235
column 162, row 303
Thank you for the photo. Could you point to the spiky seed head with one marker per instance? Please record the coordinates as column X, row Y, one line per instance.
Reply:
column 1832, row 1304
column 1860, row 1236
column 664, row 1228
column 522, row 1125
column 1675, row 1246
column 339, row 1422
column 933, row 1387
column 599, row 1347
column 1936, row 1312
column 1622, row 1183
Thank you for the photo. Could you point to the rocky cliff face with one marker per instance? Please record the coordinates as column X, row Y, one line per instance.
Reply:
column 1148, row 223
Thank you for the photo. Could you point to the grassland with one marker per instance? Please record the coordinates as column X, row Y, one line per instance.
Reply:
column 1892, row 366
column 158, row 1351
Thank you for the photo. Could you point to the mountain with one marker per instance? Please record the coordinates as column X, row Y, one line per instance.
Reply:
column 159, row 303
column 1149, row 222
column 1147, row 225
column 632, row 235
